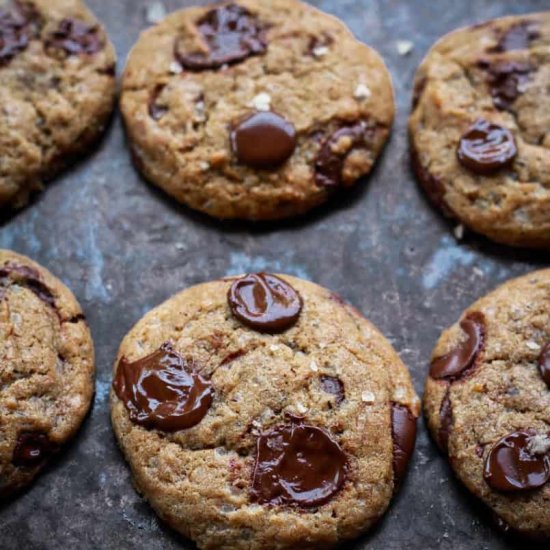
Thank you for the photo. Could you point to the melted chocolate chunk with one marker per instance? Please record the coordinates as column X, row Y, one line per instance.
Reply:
column 264, row 302
column 486, row 148
column 156, row 110
column 297, row 464
column 334, row 151
column 463, row 357
column 27, row 277
column 17, row 28
column 334, row 386
column 263, row 140
column 445, row 421
column 75, row 37
column 516, row 37
column 544, row 364
column 404, row 438
column 162, row 391
column 231, row 34
column 507, row 80
column 32, row 449
column 510, row 466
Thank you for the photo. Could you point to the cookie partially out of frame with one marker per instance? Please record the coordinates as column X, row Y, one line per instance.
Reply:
column 262, row 412
column 255, row 110
column 487, row 401
column 57, row 87
column 480, row 128
column 46, row 369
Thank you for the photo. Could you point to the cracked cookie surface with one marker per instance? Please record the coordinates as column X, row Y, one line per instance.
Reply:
column 203, row 72
column 46, row 369
column 326, row 383
column 483, row 91
column 57, row 88
column 487, row 401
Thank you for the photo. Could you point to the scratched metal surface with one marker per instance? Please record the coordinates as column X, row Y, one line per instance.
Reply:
column 123, row 248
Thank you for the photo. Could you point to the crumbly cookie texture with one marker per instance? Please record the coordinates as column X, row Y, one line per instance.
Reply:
column 57, row 90
column 46, row 372
column 497, row 73
column 487, row 401
column 190, row 82
column 330, row 372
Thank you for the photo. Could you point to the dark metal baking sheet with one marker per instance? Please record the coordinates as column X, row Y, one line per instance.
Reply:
column 124, row 247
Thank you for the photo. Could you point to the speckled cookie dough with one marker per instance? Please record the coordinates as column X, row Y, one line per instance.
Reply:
column 57, row 88
column 480, row 128
column 255, row 110
column 46, row 369
column 487, row 401
column 263, row 412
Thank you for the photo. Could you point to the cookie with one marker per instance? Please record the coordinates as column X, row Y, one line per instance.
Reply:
column 263, row 412
column 46, row 372
column 487, row 402
column 255, row 110
column 480, row 128
column 57, row 87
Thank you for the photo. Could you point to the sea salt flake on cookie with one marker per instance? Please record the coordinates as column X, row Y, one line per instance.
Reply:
column 362, row 91
column 261, row 102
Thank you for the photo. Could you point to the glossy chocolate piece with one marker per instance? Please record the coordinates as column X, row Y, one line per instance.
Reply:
column 463, row 356
column 332, row 155
column 163, row 391
column 404, row 438
column 334, row 386
column 297, row 464
column 510, row 466
column 486, row 148
column 75, row 37
column 263, row 140
column 507, row 80
column 22, row 275
column 231, row 34
column 264, row 302
column 544, row 364
column 517, row 37
column 17, row 28
column 32, row 449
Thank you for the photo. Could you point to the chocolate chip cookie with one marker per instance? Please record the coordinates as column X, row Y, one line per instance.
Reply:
column 255, row 110
column 46, row 369
column 57, row 89
column 263, row 412
column 480, row 128
column 487, row 401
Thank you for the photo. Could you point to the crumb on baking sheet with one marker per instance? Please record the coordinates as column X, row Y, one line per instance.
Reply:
column 155, row 13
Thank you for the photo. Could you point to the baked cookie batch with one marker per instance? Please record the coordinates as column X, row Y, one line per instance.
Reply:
column 262, row 411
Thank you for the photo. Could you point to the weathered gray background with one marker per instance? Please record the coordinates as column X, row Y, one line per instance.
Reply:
column 123, row 248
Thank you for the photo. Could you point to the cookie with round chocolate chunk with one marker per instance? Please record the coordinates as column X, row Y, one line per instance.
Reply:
column 480, row 128
column 57, row 89
column 487, row 401
column 255, row 110
column 47, row 369
column 261, row 411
